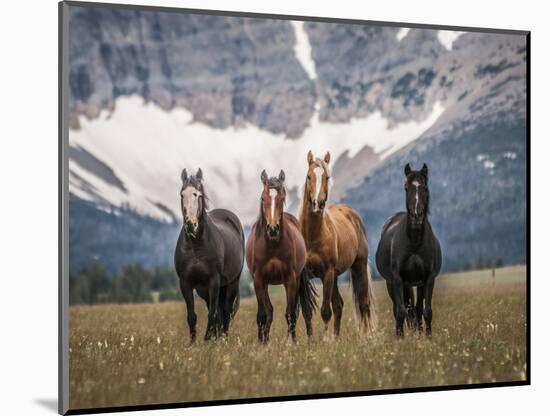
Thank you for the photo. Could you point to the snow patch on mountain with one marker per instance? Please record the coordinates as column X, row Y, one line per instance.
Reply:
column 302, row 49
column 404, row 31
column 448, row 37
column 147, row 147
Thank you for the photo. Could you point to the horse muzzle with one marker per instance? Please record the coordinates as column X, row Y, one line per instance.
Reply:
column 191, row 228
column 273, row 231
column 318, row 206
column 417, row 220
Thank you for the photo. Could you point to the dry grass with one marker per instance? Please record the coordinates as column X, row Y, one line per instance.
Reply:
column 140, row 354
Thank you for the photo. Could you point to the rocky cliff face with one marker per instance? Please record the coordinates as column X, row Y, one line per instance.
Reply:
column 367, row 68
column 227, row 71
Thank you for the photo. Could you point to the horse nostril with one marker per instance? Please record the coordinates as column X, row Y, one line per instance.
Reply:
column 322, row 204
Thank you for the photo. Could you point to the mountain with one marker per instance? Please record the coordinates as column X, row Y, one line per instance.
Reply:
column 477, row 194
column 152, row 92
column 226, row 71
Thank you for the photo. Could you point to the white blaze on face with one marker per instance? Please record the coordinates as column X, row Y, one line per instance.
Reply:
column 273, row 194
column 416, row 185
column 190, row 203
column 318, row 178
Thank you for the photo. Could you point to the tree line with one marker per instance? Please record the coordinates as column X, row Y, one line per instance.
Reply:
column 135, row 283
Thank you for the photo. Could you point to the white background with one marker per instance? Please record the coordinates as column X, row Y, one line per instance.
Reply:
column 28, row 207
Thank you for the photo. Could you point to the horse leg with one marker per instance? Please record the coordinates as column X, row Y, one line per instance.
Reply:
column 408, row 295
column 265, row 309
column 428, row 305
column 291, row 305
column 230, row 305
column 212, row 329
column 399, row 304
column 419, row 307
column 187, row 293
column 220, row 318
column 337, row 307
column 389, row 286
column 328, row 286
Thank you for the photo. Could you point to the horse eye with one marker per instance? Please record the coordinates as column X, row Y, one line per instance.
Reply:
column 308, row 178
column 195, row 194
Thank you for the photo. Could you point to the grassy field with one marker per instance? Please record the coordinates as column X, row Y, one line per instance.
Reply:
column 140, row 354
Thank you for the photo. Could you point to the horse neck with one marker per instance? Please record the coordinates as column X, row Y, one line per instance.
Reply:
column 416, row 235
column 204, row 224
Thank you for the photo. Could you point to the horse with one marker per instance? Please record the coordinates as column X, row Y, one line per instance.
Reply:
column 409, row 255
column 209, row 257
column 276, row 254
column 336, row 240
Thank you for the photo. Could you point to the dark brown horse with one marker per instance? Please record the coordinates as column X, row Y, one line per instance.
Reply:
column 209, row 257
column 276, row 254
column 409, row 255
column 336, row 241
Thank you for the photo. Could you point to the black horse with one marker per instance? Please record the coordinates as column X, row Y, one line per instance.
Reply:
column 409, row 255
column 209, row 258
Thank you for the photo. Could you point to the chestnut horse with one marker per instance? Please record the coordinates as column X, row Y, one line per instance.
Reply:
column 336, row 241
column 276, row 254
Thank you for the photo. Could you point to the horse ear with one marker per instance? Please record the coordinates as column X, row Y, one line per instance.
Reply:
column 199, row 175
column 184, row 175
column 263, row 177
column 327, row 158
column 282, row 175
column 424, row 170
column 309, row 157
column 407, row 169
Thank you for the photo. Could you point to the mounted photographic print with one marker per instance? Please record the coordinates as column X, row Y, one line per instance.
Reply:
column 263, row 207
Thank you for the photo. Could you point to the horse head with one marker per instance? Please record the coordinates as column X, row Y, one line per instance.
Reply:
column 317, row 182
column 272, row 205
column 417, row 195
column 193, row 202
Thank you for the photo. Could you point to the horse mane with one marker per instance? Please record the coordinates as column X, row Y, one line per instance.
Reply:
column 272, row 183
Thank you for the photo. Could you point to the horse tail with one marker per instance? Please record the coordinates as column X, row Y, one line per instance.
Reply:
column 235, row 307
column 307, row 295
column 367, row 303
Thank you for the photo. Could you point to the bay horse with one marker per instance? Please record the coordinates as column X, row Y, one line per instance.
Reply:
column 409, row 255
column 276, row 254
column 336, row 240
column 209, row 257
